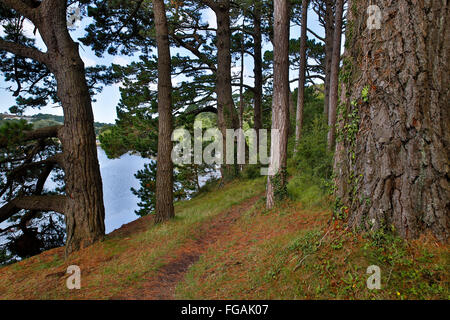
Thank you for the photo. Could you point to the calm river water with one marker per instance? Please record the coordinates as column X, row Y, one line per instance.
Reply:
column 118, row 178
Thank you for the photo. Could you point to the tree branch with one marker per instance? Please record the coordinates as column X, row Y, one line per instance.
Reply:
column 37, row 192
column 243, row 85
column 40, row 203
column 203, row 58
column 20, row 171
column 25, row 8
column 202, row 110
column 48, row 132
column 210, row 3
column 316, row 35
column 23, row 51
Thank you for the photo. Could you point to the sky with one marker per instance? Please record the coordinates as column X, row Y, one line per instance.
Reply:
column 105, row 106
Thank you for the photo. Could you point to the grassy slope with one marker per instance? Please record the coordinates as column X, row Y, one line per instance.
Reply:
column 119, row 263
column 288, row 253
column 293, row 253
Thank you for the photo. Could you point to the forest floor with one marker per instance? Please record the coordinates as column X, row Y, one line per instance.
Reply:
column 225, row 245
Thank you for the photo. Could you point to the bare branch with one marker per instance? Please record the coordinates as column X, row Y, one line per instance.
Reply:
column 40, row 203
column 23, row 51
column 243, row 85
column 203, row 58
column 316, row 35
column 20, row 171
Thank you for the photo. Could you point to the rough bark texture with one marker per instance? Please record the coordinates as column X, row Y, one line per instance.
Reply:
column 302, row 74
column 83, row 205
column 84, row 211
column 164, row 173
column 280, row 105
column 334, row 74
column 394, row 170
column 227, row 115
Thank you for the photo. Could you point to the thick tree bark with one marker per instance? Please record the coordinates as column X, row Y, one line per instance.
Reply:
column 334, row 75
column 280, row 105
column 83, row 205
column 394, row 171
column 302, row 75
column 164, row 173
column 85, row 212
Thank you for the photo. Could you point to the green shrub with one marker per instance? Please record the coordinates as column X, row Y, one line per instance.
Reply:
column 301, row 189
column 251, row 171
column 313, row 165
column 312, row 157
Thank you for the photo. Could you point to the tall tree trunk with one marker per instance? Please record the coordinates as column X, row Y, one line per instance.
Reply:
column 227, row 115
column 258, row 72
column 292, row 106
column 84, row 211
column 164, row 171
column 334, row 76
column 394, row 171
column 329, row 32
column 280, row 105
column 302, row 75
column 241, row 89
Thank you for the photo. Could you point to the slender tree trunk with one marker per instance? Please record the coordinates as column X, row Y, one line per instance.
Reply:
column 334, row 76
column 292, row 112
column 292, row 106
column 258, row 72
column 280, row 106
column 164, row 171
column 227, row 115
column 329, row 32
column 241, row 89
column 302, row 75
column 393, row 170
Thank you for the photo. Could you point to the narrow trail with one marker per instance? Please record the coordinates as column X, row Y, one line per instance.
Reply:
column 162, row 284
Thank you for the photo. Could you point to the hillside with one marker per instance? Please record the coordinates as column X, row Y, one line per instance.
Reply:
column 42, row 120
column 223, row 244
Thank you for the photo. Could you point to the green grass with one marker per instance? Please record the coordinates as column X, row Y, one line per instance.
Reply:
column 115, row 265
column 291, row 253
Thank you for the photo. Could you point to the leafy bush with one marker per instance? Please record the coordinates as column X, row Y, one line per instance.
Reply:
column 301, row 189
column 251, row 171
column 312, row 157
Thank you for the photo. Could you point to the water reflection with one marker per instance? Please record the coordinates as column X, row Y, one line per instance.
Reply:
column 118, row 179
